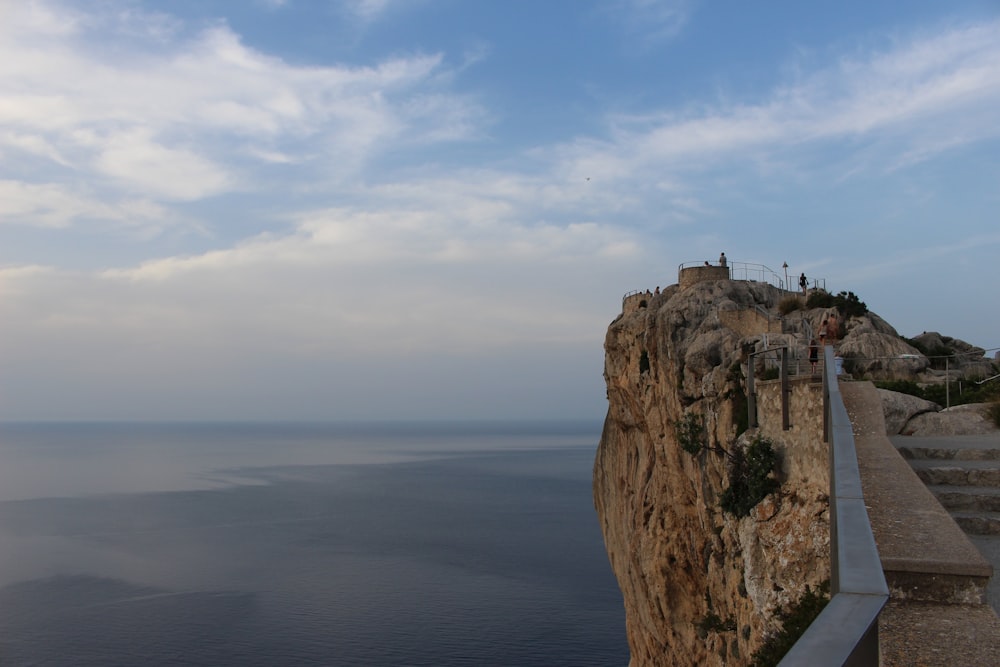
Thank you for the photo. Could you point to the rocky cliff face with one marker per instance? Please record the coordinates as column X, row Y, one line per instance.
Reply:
column 701, row 587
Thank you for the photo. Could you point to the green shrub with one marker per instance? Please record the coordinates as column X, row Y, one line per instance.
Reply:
column 819, row 299
column 794, row 622
column 771, row 373
column 849, row 305
column 690, row 432
column 750, row 478
column 789, row 305
column 713, row 623
column 957, row 393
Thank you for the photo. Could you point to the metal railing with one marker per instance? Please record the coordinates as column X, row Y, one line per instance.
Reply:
column 756, row 273
column 748, row 271
column 845, row 634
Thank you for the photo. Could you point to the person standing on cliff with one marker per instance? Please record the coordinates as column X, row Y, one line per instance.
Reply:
column 813, row 354
column 722, row 259
column 804, row 284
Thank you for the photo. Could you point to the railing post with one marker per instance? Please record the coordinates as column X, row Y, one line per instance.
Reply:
column 785, row 389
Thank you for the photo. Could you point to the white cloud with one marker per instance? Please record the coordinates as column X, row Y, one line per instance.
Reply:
column 369, row 10
column 56, row 205
column 652, row 21
column 192, row 118
column 153, row 169
column 904, row 102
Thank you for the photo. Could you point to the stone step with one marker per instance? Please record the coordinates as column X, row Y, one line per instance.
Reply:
column 957, row 473
column 948, row 454
column 978, row 523
column 968, row 498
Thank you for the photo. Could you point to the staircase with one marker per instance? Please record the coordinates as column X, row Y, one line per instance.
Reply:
column 963, row 473
column 941, row 609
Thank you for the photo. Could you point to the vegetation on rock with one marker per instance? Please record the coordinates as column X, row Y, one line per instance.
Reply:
column 847, row 303
column 957, row 393
column 750, row 467
column 750, row 479
column 794, row 622
column 690, row 432
column 789, row 305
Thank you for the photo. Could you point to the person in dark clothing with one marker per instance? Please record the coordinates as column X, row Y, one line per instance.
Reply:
column 813, row 354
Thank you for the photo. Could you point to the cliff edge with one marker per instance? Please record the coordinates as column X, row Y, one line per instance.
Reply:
column 703, row 586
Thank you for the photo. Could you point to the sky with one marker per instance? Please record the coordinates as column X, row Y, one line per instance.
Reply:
column 430, row 209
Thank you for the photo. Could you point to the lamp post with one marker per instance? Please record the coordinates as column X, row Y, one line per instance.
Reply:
column 785, row 267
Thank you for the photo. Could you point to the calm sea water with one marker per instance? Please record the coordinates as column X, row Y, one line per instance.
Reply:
column 283, row 544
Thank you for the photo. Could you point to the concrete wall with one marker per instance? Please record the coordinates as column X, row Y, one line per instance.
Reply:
column 806, row 457
column 637, row 301
column 747, row 322
column 696, row 274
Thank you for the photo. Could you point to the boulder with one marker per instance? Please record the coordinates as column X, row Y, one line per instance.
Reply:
column 879, row 356
column 901, row 408
column 970, row 419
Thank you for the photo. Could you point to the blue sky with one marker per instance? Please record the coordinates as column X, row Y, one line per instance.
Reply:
column 399, row 209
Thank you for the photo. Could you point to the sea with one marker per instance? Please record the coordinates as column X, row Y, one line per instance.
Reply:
column 256, row 544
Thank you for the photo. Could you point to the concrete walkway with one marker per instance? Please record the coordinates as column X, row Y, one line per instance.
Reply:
column 936, row 615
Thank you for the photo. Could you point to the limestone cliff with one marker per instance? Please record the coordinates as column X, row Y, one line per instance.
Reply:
column 701, row 587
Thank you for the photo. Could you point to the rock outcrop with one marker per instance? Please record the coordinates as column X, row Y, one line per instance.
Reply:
column 702, row 586
column 968, row 419
column 901, row 408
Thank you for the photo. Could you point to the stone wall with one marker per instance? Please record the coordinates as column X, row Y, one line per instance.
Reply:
column 749, row 322
column 804, row 454
column 695, row 274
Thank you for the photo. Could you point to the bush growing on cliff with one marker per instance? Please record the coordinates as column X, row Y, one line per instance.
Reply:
column 794, row 622
column 750, row 478
column 789, row 305
column 691, row 432
column 847, row 303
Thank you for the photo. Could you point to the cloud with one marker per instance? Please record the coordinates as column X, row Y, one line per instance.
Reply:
column 155, row 170
column 369, row 10
column 195, row 116
column 901, row 102
column 58, row 206
column 652, row 21
column 381, row 256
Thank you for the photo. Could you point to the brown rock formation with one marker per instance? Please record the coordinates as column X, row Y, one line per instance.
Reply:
column 701, row 587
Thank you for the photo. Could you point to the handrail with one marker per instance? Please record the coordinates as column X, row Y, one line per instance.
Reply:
column 845, row 634
column 632, row 293
column 748, row 271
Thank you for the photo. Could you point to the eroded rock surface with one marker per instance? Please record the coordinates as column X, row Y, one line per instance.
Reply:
column 700, row 587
